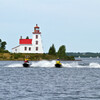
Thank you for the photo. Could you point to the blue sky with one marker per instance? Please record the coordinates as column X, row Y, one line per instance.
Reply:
column 73, row 23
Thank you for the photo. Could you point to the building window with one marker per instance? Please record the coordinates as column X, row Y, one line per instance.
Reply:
column 36, row 42
column 25, row 48
column 36, row 48
column 36, row 36
column 29, row 48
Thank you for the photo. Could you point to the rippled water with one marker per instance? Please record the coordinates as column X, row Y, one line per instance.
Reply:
column 78, row 80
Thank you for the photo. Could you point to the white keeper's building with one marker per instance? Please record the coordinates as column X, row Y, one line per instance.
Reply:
column 33, row 45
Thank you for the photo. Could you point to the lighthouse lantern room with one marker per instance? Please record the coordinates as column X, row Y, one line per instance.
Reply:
column 33, row 45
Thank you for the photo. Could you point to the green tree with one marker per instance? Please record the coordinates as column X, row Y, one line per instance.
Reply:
column 3, row 45
column 52, row 50
column 27, row 37
column 0, row 40
column 62, row 52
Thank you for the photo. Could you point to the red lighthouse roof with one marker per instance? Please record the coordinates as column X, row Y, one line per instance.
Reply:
column 36, row 30
column 25, row 41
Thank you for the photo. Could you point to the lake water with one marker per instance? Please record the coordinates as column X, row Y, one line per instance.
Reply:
column 77, row 80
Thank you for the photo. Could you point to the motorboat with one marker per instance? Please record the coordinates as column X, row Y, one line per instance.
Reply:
column 26, row 64
column 58, row 65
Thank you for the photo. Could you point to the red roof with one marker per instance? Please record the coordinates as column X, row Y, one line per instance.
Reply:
column 25, row 41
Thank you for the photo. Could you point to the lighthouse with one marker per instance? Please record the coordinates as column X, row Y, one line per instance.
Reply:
column 37, row 42
column 33, row 45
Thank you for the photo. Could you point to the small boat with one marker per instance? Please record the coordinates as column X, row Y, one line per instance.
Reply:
column 26, row 64
column 97, row 56
column 58, row 65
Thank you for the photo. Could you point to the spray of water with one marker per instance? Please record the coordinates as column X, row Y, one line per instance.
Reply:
column 46, row 63
column 94, row 65
column 72, row 65
column 14, row 65
column 43, row 64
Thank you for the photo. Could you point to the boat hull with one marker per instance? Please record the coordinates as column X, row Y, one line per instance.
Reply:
column 58, row 65
column 26, row 65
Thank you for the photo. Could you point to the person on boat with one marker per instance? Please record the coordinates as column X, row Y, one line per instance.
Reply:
column 26, row 60
column 58, row 61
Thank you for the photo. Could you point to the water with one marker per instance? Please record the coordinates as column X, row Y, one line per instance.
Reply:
column 77, row 80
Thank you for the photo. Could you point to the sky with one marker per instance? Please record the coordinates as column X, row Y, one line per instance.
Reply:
column 73, row 23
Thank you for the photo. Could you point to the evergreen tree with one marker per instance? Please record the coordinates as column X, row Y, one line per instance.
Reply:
column 0, row 40
column 62, row 52
column 0, row 43
column 27, row 37
column 3, row 45
column 52, row 50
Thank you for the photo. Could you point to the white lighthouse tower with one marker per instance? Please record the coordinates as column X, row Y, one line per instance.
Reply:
column 33, row 45
column 37, row 43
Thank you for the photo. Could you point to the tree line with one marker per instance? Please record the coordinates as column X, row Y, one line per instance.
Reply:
column 85, row 54
column 61, row 53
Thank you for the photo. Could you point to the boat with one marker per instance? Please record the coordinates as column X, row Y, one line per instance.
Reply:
column 97, row 56
column 58, row 65
column 26, row 64
column 79, row 57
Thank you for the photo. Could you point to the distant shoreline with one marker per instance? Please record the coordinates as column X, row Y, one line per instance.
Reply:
column 31, row 57
column 84, row 54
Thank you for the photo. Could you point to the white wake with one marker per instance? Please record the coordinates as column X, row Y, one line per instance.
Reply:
column 46, row 63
